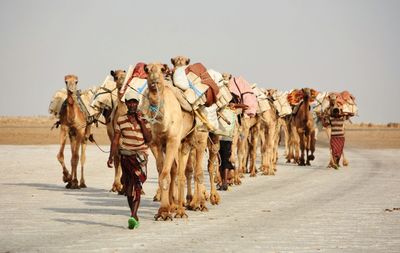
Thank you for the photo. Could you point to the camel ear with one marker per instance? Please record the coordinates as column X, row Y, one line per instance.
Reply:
column 230, row 76
column 112, row 73
column 146, row 69
column 173, row 61
column 187, row 61
column 164, row 68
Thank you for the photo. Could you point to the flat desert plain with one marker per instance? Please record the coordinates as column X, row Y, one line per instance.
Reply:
column 300, row 209
column 37, row 131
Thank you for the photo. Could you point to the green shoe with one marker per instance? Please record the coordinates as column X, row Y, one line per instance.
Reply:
column 133, row 223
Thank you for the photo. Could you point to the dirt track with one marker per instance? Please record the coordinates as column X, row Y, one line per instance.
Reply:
column 301, row 209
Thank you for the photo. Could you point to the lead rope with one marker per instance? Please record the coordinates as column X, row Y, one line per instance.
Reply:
column 92, row 140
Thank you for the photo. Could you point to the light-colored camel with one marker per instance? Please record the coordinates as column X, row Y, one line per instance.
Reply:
column 106, row 102
column 269, row 136
column 73, row 123
column 239, row 141
column 202, row 139
column 320, row 116
column 302, row 129
column 170, row 125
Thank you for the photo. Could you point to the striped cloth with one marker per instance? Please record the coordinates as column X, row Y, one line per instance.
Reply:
column 337, row 126
column 337, row 145
column 131, row 134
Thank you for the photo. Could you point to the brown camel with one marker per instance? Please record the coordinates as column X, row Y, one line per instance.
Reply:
column 302, row 129
column 170, row 126
column 73, row 122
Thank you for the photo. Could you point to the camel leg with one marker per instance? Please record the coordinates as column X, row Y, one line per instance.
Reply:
column 200, row 191
column 159, row 157
column 75, row 144
column 242, row 144
column 254, row 141
column 213, row 148
column 182, row 158
column 173, row 192
column 307, row 140
column 189, row 176
column 302, row 148
column 60, row 156
column 272, row 142
column 345, row 161
column 164, row 180
column 269, row 150
column 83, row 160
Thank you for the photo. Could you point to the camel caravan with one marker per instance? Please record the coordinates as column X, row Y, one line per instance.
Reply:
column 190, row 110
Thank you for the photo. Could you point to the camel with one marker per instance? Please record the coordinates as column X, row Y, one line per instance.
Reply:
column 73, row 122
column 302, row 130
column 269, row 135
column 202, row 139
column 319, row 117
column 170, row 127
column 106, row 102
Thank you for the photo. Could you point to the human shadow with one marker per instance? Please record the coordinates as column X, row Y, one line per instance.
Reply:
column 98, row 202
column 86, row 222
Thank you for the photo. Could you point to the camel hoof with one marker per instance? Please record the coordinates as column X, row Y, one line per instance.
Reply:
column 214, row 199
column 156, row 198
column 67, row 178
column 345, row 163
column 237, row 181
column 74, row 186
column 180, row 213
column 308, row 163
column 203, row 208
column 163, row 214
column 189, row 198
column 253, row 174
column 68, row 186
column 82, row 185
column 269, row 173
column 311, row 157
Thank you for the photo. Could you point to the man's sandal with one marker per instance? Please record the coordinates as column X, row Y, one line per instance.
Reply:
column 133, row 223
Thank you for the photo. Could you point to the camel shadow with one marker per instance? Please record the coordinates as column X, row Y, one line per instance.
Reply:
column 48, row 187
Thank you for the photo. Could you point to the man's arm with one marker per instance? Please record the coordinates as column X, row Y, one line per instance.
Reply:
column 146, row 131
column 113, row 148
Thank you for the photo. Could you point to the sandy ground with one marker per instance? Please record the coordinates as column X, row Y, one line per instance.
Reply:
column 37, row 131
column 301, row 209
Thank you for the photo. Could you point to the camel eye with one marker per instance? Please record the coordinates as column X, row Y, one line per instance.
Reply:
column 66, row 82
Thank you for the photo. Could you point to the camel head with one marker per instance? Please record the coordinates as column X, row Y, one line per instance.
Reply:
column 271, row 92
column 71, row 81
column 180, row 61
column 226, row 77
column 333, row 103
column 119, row 77
column 306, row 93
column 155, row 75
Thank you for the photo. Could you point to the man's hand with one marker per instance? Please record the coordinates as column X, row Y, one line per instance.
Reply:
column 110, row 162
column 139, row 116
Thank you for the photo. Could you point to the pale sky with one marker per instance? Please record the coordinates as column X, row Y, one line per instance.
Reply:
column 327, row 45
